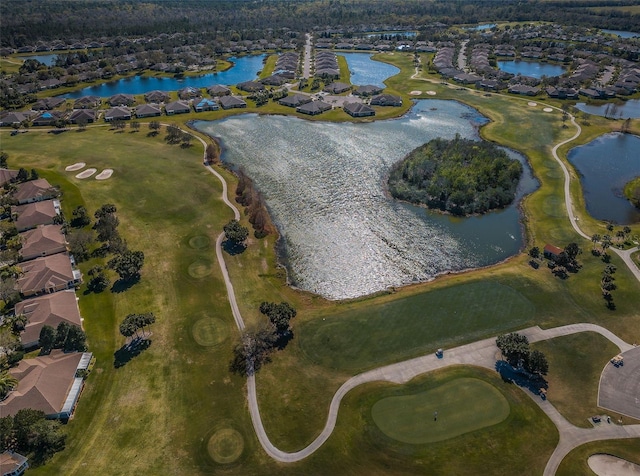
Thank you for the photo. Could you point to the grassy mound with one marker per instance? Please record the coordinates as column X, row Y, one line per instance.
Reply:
column 459, row 176
column 462, row 405
column 199, row 242
column 225, row 446
column 200, row 269
column 209, row 331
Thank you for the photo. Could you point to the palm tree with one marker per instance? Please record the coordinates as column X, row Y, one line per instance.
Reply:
column 7, row 383
column 595, row 238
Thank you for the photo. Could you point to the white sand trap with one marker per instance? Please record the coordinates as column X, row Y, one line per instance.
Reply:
column 415, row 93
column 431, row 93
column 74, row 167
column 532, row 104
column 607, row 465
column 547, row 109
column 105, row 174
column 86, row 173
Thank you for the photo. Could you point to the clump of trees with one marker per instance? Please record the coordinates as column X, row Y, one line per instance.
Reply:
column 515, row 349
column 136, row 322
column 235, row 232
column 66, row 336
column 458, row 176
column 29, row 433
column 607, row 285
column 175, row 135
column 253, row 201
column 256, row 345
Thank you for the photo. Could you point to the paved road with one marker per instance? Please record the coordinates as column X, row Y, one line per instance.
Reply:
column 306, row 65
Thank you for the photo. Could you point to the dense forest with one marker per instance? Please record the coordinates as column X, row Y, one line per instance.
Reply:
column 458, row 176
column 27, row 21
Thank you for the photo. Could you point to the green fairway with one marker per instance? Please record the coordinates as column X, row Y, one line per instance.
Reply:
column 453, row 409
column 390, row 332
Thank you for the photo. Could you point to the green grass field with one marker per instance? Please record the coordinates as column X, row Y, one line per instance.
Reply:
column 455, row 408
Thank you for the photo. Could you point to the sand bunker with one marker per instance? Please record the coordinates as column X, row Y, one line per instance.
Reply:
column 415, row 93
column 431, row 93
column 74, row 167
column 105, row 174
column 608, row 465
column 86, row 173
column 547, row 109
column 532, row 104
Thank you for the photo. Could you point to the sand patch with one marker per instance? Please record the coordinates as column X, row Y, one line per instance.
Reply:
column 547, row 109
column 74, row 167
column 86, row 173
column 105, row 174
column 608, row 465
column 431, row 93
column 415, row 93
column 532, row 104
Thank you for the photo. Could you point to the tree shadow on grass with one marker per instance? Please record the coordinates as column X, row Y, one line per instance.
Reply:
column 233, row 248
column 533, row 383
column 122, row 285
column 128, row 351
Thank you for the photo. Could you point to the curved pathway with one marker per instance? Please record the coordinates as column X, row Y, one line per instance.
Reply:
column 482, row 353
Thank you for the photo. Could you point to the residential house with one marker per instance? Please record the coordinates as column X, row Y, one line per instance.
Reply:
column 148, row 110
column 121, row 100
column 275, row 80
column 47, row 310
column 357, row 109
column 34, row 191
column 47, row 118
column 189, row 93
column 46, row 104
column 386, row 100
column 177, row 107
column 231, row 102
column 49, row 383
column 117, row 113
column 313, row 108
column 551, row 252
column 13, row 464
column 250, row 86
column 206, row 105
column 87, row 102
column 83, row 116
column 48, row 275
column 156, row 97
column 13, row 118
column 7, row 176
column 44, row 240
column 523, row 90
column 367, row 90
column 294, row 100
column 34, row 214
column 218, row 90
column 337, row 88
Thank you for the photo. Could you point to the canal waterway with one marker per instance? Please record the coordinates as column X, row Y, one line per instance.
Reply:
column 245, row 68
column 535, row 69
column 324, row 184
column 605, row 165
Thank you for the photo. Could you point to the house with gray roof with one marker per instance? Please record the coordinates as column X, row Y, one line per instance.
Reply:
column 294, row 100
column 386, row 100
column 358, row 109
column 13, row 118
column 367, row 90
column 117, row 113
column 86, row 116
column 87, row 102
column 148, row 110
column 121, row 100
column 337, row 88
column 250, row 86
column 47, row 118
column 218, row 90
column 156, row 96
column 231, row 102
column 313, row 108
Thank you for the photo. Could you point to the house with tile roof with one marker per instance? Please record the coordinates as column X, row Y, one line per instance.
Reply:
column 48, row 275
column 34, row 191
column 44, row 240
column 33, row 214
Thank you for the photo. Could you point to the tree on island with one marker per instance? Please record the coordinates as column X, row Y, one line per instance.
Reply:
column 458, row 176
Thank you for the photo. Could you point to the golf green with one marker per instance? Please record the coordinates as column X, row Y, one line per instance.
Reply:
column 225, row 446
column 209, row 331
column 455, row 408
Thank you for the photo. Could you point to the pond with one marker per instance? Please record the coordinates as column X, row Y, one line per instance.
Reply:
column 535, row 69
column 486, row 26
column 628, row 109
column 245, row 68
column 622, row 34
column 46, row 59
column 605, row 165
column 324, row 184
column 365, row 70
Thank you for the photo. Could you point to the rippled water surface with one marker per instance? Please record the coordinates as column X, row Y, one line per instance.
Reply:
column 324, row 184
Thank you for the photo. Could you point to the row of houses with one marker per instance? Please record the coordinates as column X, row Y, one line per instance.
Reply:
column 50, row 383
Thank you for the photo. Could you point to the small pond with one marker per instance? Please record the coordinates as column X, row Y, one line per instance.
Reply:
column 628, row 109
column 486, row 26
column 365, row 70
column 46, row 59
column 605, row 165
column 245, row 68
column 535, row 69
column 622, row 34
column 324, row 184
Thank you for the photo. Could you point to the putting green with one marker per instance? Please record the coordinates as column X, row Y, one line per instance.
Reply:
column 225, row 446
column 463, row 405
column 199, row 242
column 209, row 331
column 200, row 269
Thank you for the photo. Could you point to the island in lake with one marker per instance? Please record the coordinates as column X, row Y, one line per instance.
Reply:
column 458, row 176
column 632, row 192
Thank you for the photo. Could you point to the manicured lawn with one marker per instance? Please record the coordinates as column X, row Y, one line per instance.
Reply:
column 576, row 461
column 414, row 325
column 575, row 365
column 455, row 408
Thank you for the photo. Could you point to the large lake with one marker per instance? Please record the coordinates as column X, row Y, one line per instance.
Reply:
column 630, row 108
column 535, row 69
column 324, row 184
column 245, row 68
column 364, row 70
column 605, row 165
